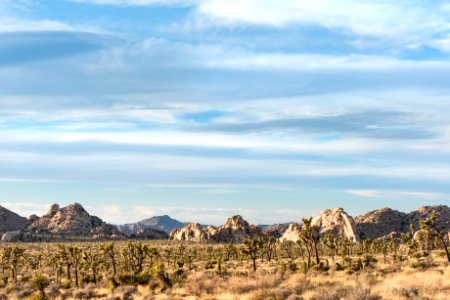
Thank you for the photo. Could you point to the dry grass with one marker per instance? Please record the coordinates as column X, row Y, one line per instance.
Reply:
column 273, row 280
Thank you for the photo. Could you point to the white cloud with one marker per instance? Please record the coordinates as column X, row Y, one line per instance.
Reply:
column 138, row 2
column 380, row 18
column 310, row 62
column 387, row 194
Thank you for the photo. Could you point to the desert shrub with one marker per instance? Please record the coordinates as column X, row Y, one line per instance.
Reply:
column 339, row 267
column 133, row 279
column 420, row 254
column 66, row 284
column 322, row 267
column 369, row 260
column 38, row 296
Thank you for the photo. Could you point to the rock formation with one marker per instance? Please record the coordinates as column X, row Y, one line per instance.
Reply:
column 385, row 222
column 336, row 222
column 152, row 234
column 235, row 229
column 10, row 221
column 276, row 230
column 12, row 236
column 381, row 223
column 442, row 220
column 191, row 233
column 72, row 220
column 292, row 233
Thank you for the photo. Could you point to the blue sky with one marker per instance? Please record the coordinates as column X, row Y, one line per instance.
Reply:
column 203, row 109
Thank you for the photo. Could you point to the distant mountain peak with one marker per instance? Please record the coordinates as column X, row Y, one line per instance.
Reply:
column 164, row 223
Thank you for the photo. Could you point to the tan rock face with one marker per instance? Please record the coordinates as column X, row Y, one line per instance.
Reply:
column 336, row 222
column 385, row 222
column 381, row 223
column 442, row 220
column 292, row 233
column 191, row 233
column 10, row 221
column 72, row 220
column 275, row 230
column 235, row 229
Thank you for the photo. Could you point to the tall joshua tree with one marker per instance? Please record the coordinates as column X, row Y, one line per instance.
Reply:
column 109, row 251
column 308, row 237
column 75, row 256
column 430, row 227
column 252, row 248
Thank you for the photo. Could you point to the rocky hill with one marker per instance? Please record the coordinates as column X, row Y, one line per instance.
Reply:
column 60, row 223
column 385, row 222
column 190, row 233
column 164, row 223
column 72, row 220
column 292, row 233
column 275, row 230
column 10, row 221
column 336, row 222
column 151, row 234
column 380, row 223
column 235, row 229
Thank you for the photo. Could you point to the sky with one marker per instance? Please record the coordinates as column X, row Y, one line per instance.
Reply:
column 202, row 109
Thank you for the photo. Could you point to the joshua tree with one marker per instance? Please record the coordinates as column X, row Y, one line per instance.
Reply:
column 15, row 256
column 5, row 254
column 40, row 282
column 91, row 261
column 430, row 227
column 308, row 237
column 74, row 254
column 63, row 255
column 252, row 248
column 331, row 242
column 135, row 255
column 270, row 245
column 108, row 251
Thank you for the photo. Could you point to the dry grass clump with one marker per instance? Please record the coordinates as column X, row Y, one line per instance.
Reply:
column 428, row 284
column 206, row 283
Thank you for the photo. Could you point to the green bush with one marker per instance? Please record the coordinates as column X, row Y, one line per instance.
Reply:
column 133, row 279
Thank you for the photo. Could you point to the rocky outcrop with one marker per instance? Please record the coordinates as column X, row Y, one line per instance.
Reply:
column 276, row 230
column 10, row 221
column 164, row 223
column 12, row 236
column 235, row 229
column 190, row 233
column 292, row 233
column 336, row 222
column 152, row 234
column 381, row 223
column 72, row 220
column 386, row 223
column 442, row 219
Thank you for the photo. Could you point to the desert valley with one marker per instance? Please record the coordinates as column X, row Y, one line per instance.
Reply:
column 383, row 254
